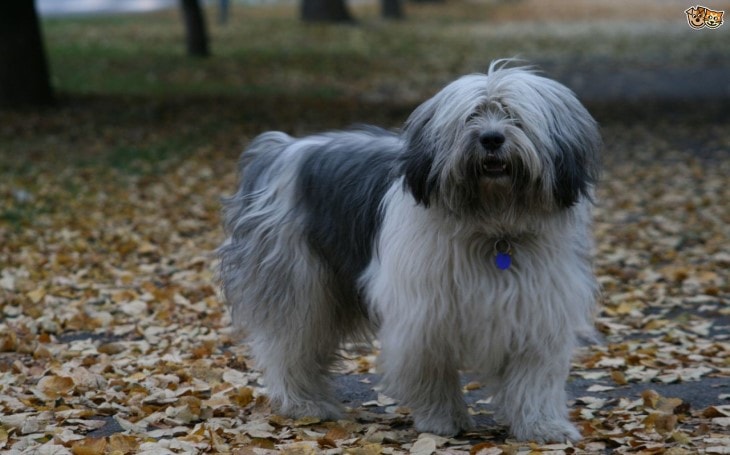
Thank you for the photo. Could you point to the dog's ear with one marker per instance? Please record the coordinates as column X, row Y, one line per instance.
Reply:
column 417, row 158
column 577, row 145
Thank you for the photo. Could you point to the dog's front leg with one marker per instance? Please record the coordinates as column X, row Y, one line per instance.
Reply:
column 532, row 399
column 420, row 370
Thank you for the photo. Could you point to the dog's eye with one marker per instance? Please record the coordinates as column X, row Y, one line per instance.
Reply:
column 472, row 116
column 514, row 120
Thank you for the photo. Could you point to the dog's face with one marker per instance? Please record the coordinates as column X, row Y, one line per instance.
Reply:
column 696, row 16
column 507, row 140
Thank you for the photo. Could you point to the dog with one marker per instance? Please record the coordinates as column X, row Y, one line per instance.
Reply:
column 696, row 16
column 462, row 241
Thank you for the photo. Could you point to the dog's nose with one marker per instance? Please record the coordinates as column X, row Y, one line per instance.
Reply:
column 491, row 140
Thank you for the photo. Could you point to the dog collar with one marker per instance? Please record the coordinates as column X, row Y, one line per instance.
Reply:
column 502, row 254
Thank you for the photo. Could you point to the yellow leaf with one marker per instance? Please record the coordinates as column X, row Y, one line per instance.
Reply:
column 665, row 423
column 198, row 434
column 626, row 307
column 481, row 448
column 298, row 448
column 681, row 438
column 263, row 443
column 716, row 411
column 112, row 348
column 618, row 377
column 8, row 341
column 668, row 405
column 36, row 295
column 55, row 386
column 706, row 277
column 306, row 421
column 242, row 396
column 650, row 420
column 678, row 451
column 337, row 433
column 89, row 446
column 326, row 443
column 146, row 248
column 655, row 324
column 123, row 443
column 650, row 398
column 368, row 449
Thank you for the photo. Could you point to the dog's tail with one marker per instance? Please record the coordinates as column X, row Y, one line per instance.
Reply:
column 256, row 170
column 256, row 162
column 265, row 147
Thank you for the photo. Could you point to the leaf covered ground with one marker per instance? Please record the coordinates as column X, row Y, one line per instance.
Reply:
column 113, row 338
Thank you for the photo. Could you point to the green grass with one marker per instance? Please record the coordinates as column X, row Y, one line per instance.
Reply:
column 266, row 50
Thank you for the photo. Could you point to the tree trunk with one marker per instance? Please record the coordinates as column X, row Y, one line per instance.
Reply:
column 196, row 37
column 391, row 9
column 325, row 11
column 224, row 10
column 24, row 79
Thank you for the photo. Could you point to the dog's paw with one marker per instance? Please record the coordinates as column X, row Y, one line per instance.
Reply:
column 323, row 410
column 446, row 424
column 546, row 431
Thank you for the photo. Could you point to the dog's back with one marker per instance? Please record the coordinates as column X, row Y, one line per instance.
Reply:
column 331, row 183
column 341, row 186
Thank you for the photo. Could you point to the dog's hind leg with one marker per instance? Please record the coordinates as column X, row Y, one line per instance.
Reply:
column 290, row 322
column 279, row 295
column 296, row 350
column 284, row 304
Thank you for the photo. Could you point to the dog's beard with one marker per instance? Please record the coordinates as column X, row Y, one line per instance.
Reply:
column 508, row 180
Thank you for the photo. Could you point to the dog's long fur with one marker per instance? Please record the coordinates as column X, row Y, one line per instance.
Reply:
column 347, row 234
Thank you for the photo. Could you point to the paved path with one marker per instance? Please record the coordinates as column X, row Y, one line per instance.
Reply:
column 624, row 94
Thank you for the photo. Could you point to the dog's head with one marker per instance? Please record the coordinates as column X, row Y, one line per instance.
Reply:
column 696, row 16
column 502, row 140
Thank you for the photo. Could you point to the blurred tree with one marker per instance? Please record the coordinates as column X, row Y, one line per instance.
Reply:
column 224, row 10
column 24, row 79
column 196, row 36
column 325, row 11
column 391, row 9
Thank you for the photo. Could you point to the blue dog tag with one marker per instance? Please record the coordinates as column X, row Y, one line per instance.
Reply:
column 502, row 256
column 503, row 261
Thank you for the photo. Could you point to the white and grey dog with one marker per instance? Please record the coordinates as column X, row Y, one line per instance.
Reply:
column 462, row 242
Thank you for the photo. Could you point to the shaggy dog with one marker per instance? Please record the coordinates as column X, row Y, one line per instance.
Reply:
column 461, row 242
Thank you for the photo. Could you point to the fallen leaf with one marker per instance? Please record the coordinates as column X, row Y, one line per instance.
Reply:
column 89, row 446
column 423, row 446
column 618, row 377
column 36, row 295
column 123, row 443
column 650, row 397
column 53, row 387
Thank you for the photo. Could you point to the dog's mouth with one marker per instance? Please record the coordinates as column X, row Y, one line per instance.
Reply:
column 494, row 167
